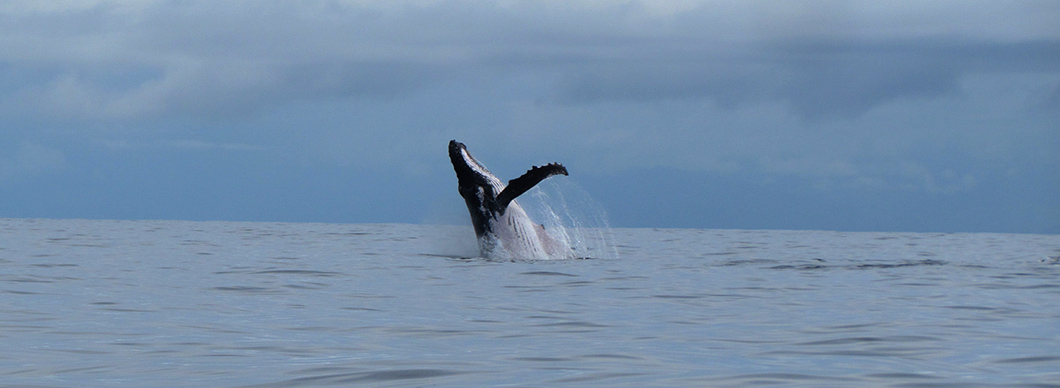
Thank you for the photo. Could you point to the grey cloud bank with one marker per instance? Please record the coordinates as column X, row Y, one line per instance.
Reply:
column 833, row 115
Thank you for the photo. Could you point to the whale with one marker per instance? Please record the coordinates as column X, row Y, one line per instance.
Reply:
column 503, row 228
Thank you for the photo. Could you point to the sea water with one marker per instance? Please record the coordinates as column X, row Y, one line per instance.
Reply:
column 227, row 304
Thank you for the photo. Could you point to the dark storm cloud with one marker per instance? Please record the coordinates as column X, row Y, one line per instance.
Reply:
column 816, row 79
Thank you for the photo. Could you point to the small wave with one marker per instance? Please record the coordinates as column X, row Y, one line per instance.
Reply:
column 863, row 266
column 547, row 273
column 904, row 264
column 384, row 376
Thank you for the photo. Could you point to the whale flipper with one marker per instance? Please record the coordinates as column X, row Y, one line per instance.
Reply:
column 531, row 178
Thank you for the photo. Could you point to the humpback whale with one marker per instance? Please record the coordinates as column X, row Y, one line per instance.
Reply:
column 502, row 226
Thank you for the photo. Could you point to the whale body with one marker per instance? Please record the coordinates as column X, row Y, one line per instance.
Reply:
column 502, row 226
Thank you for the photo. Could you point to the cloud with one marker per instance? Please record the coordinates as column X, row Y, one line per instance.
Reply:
column 231, row 58
column 931, row 98
column 840, row 89
column 816, row 79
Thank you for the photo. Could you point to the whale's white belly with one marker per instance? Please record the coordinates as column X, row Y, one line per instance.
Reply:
column 522, row 238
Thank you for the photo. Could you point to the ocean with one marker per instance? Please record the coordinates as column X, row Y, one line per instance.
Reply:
column 95, row 303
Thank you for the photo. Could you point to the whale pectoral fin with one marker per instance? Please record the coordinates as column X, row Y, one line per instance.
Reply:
column 520, row 185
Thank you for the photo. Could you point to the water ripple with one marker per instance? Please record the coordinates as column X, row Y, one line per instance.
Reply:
column 421, row 376
column 97, row 303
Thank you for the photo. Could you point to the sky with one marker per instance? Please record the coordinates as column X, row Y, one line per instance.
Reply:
column 917, row 116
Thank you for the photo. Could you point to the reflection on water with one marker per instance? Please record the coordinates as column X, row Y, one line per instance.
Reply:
column 151, row 303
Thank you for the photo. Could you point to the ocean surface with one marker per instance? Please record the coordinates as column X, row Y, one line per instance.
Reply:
column 226, row 304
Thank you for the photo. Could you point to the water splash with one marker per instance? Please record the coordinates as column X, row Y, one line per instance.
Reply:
column 571, row 216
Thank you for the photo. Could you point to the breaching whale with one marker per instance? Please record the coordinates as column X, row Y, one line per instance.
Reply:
column 502, row 226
